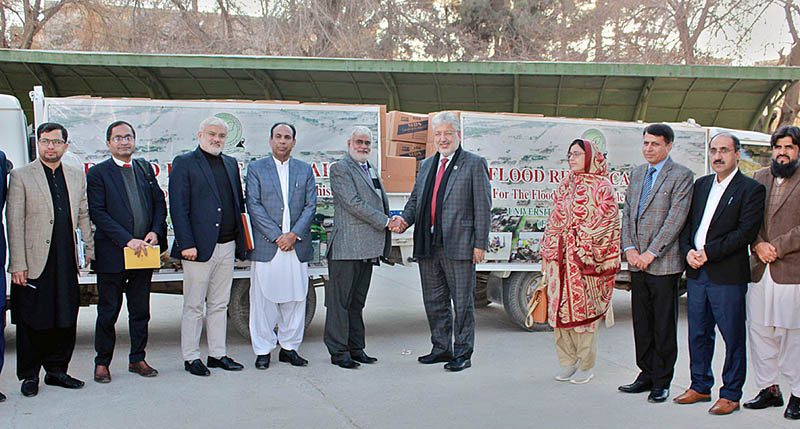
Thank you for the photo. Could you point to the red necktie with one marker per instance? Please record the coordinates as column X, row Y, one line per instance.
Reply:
column 126, row 165
column 439, row 175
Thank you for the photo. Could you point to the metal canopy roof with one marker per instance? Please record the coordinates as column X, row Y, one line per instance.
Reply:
column 725, row 96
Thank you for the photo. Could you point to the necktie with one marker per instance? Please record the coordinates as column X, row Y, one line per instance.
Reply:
column 648, row 185
column 366, row 169
column 439, row 175
column 126, row 165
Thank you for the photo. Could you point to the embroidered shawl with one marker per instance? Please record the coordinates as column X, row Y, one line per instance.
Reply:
column 581, row 245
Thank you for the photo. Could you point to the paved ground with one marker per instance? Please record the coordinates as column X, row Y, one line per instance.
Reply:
column 509, row 385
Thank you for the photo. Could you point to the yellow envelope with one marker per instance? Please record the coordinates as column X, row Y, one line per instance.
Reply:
column 152, row 260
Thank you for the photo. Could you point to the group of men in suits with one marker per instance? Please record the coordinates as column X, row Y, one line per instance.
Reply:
column 720, row 233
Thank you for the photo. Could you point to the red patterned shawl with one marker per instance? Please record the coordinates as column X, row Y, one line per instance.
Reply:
column 580, row 249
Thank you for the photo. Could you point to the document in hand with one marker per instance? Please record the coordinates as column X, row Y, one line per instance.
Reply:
column 248, row 232
column 151, row 260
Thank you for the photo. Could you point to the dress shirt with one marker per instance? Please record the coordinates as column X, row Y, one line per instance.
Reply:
column 122, row 163
column 283, row 177
column 714, row 196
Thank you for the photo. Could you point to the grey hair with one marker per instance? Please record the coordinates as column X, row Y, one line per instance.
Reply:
column 442, row 118
column 360, row 130
column 212, row 121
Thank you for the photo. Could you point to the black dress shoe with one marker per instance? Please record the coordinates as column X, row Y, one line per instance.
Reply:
column 458, row 364
column 658, row 395
column 262, row 361
column 30, row 387
column 636, row 387
column 196, row 367
column 768, row 397
column 345, row 363
column 292, row 357
column 225, row 363
column 435, row 358
column 62, row 380
column 2, row 397
column 793, row 409
column 360, row 356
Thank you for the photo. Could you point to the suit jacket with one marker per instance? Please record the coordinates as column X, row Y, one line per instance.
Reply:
column 265, row 206
column 196, row 208
column 665, row 210
column 733, row 227
column 30, row 217
column 782, row 231
column 3, row 188
column 466, row 209
column 111, row 213
column 360, row 214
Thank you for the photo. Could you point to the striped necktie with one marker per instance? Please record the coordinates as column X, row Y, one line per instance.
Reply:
column 648, row 185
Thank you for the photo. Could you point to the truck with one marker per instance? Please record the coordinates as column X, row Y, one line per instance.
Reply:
column 525, row 155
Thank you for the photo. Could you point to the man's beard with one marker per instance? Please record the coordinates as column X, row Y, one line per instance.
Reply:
column 784, row 170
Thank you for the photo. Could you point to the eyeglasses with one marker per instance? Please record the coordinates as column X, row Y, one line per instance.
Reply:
column 571, row 155
column 118, row 139
column 721, row 151
column 447, row 134
column 54, row 142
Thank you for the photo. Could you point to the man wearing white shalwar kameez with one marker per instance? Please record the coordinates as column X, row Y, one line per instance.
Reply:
column 773, row 298
column 279, row 188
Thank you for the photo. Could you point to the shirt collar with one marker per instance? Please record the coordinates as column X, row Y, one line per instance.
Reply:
column 724, row 184
column 279, row 163
column 659, row 166
column 120, row 163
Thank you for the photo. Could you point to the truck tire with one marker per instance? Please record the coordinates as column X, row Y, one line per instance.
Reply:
column 481, row 288
column 239, row 306
column 517, row 292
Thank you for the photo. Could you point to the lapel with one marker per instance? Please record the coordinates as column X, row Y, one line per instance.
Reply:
column 662, row 176
column 232, row 170
column 41, row 182
column 457, row 167
column 205, row 169
column 791, row 184
column 292, row 181
column 272, row 176
column 142, row 184
column 727, row 196
column 384, row 198
column 73, row 183
column 354, row 165
column 119, row 183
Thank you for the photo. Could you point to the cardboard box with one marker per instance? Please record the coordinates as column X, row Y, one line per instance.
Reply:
column 407, row 127
column 398, row 173
column 413, row 150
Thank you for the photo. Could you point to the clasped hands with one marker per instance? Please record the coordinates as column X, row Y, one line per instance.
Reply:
column 766, row 252
column 639, row 260
column 696, row 258
column 397, row 224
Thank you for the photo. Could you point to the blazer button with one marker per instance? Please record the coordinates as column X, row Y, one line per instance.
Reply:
column 219, row 209
column 51, row 221
column 47, row 241
column 217, row 225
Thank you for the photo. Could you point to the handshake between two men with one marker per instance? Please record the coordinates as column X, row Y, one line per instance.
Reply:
column 397, row 224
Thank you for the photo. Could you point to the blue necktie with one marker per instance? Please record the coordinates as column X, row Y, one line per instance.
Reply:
column 366, row 169
column 648, row 184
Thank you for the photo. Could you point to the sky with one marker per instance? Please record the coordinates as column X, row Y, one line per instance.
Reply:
column 769, row 35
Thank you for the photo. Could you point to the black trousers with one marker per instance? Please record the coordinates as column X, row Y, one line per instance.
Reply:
column 654, row 303
column 345, row 298
column 51, row 348
column 110, row 287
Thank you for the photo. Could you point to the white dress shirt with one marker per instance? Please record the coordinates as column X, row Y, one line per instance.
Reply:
column 714, row 196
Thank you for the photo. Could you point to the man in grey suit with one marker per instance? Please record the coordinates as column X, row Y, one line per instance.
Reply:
column 656, row 206
column 359, row 238
column 282, row 200
column 451, row 206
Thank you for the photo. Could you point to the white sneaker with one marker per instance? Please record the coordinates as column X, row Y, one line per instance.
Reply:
column 582, row 377
column 566, row 372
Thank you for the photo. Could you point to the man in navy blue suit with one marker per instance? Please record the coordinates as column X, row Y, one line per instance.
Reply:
column 3, row 184
column 206, row 203
column 128, row 209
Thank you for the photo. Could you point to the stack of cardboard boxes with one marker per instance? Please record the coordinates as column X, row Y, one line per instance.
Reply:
column 403, row 149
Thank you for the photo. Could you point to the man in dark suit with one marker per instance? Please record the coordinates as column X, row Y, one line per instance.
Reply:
column 128, row 209
column 359, row 238
column 656, row 205
column 3, row 184
column 451, row 206
column 725, row 215
column 206, row 203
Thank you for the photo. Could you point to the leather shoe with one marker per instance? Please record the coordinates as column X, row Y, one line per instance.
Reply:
column 61, row 379
column 143, row 369
column 723, row 406
column 690, row 397
column 196, row 367
column 435, row 358
column 292, row 357
column 658, row 395
column 360, row 356
column 345, row 363
column 225, row 363
column 458, row 364
column 768, row 397
column 793, row 409
column 262, row 361
column 636, row 387
column 102, row 374
column 30, row 387
column 2, row 397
